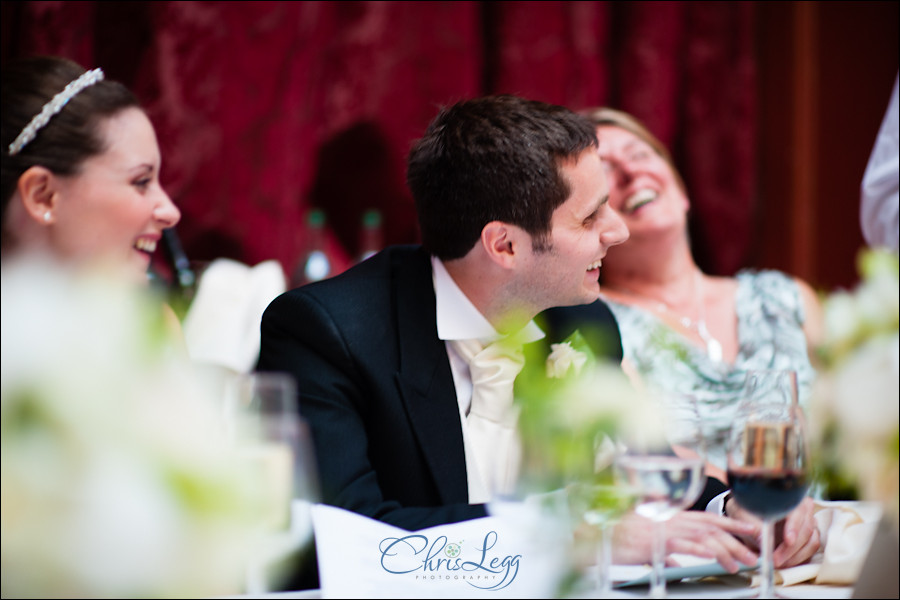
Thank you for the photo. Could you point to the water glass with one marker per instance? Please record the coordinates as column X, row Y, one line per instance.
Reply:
column 274, row 446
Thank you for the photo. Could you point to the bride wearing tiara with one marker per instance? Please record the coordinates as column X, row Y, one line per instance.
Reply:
column 80, row 168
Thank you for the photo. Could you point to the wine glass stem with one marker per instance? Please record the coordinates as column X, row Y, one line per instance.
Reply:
column 767, row 569
column 657, row 577
column 604, row 559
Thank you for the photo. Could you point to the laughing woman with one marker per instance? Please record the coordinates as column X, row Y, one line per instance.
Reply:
column 81, row 167
column 80, row 181
column 684, row 331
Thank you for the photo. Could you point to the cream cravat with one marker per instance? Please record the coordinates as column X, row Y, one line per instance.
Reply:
column 493, row 450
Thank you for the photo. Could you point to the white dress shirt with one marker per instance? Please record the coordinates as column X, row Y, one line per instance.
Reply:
column 880, row 204
column 458, row 319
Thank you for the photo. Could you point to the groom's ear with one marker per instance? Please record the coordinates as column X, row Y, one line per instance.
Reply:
column 504, row 243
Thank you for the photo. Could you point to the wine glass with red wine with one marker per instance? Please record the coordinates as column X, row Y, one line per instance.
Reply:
column 767, row 457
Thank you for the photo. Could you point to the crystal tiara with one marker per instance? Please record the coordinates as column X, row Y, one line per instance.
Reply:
column 50, row 109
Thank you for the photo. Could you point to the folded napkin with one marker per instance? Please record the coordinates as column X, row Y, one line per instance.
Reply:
column 221, row 326
column 514, row 554
column 846, row 530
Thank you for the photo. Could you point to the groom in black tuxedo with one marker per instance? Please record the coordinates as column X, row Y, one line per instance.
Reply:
column 512, row 202
column 512, row 206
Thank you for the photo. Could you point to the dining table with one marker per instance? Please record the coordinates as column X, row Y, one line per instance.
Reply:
column 345, row 540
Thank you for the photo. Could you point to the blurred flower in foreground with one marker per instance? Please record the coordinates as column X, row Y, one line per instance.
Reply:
column 115, row 481
column 575, row 412
column 572, row 406
column 854, row 412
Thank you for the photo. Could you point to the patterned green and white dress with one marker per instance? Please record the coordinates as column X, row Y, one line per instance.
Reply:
column 770, row 336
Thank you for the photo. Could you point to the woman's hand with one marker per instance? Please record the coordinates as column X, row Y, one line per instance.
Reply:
column 688, row 532
column 796, row 536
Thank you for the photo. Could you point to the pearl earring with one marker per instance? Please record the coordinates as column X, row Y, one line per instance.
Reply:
column 47, row 217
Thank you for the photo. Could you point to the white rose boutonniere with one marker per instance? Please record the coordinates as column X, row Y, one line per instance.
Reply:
column 563, row 358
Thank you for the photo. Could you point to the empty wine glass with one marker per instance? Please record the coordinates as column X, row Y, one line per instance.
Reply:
column 767, row 468
column 666, row 478
column 274, row 448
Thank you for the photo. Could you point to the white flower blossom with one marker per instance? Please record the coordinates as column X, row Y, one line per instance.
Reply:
column 854, row 413
column 114, row 479
column 576, row 414
column 562, row 358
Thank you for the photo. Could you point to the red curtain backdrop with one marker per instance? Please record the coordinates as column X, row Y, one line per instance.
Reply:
column 264, row 109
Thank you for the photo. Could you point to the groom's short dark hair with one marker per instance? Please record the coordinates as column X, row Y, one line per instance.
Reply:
column 496, row 158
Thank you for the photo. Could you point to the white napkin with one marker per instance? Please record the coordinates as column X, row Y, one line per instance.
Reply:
column 222, row 324
column 512, row 555
column 846, row 530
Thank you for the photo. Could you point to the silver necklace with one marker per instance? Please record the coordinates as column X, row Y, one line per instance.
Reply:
column 713, row 346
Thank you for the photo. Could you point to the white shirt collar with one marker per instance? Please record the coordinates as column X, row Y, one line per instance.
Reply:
column 457, row 317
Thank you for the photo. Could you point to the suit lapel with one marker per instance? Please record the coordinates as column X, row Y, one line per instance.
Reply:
column 426, row 382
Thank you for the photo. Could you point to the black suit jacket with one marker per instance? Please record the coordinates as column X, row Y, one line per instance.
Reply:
column 376, row 387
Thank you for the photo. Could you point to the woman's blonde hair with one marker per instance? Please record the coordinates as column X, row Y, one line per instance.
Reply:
column 604, row 116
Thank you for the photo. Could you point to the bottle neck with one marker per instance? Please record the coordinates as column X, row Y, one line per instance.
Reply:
column 370, row 237
column 370, row 243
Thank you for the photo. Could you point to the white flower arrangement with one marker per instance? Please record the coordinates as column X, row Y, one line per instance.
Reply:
column 854, row 413
column 115, row 480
